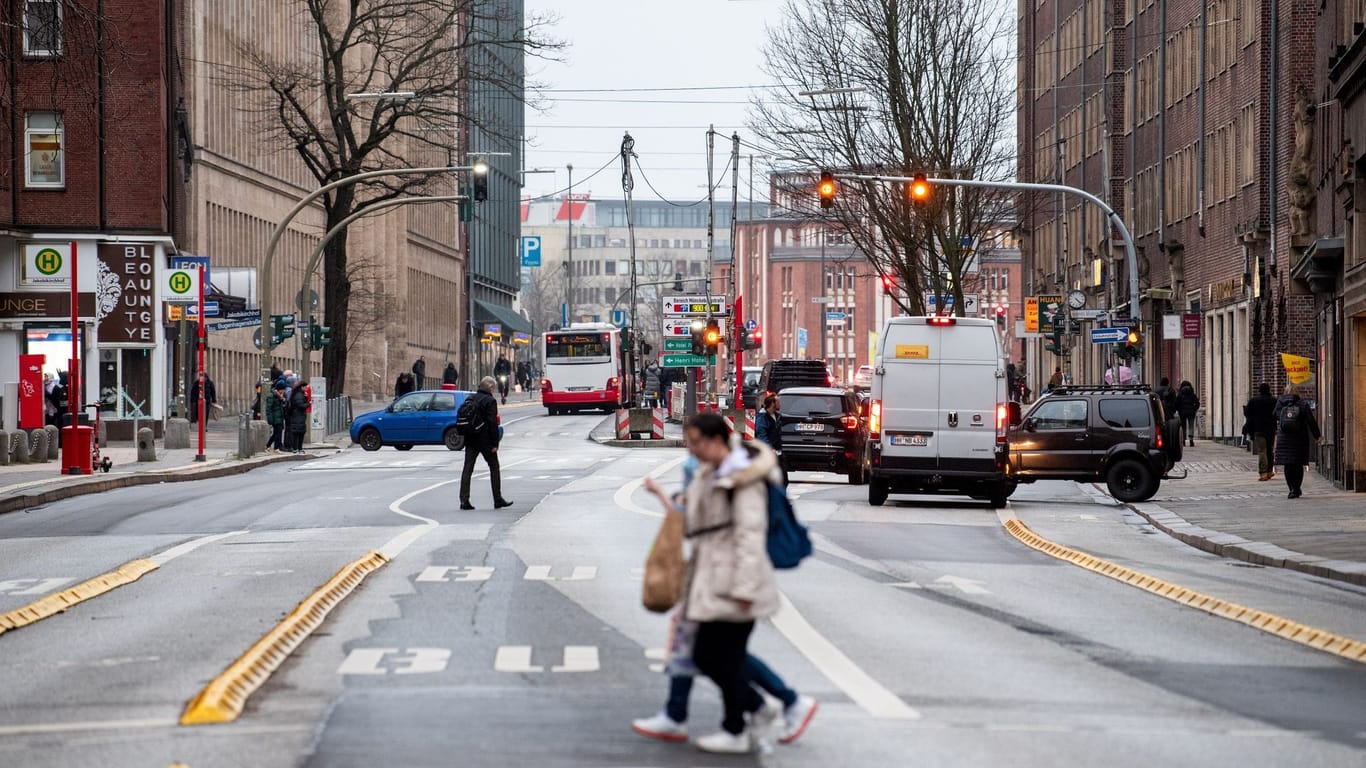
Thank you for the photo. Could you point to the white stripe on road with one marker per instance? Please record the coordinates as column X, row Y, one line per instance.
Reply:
column 162, row 558
column 90, row 725
column 838, row 668
column 396, row 545
column 622, row 498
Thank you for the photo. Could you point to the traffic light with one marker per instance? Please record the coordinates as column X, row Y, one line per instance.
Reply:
column 919, row 190
column 282, row 327
column 480, row 176
column 752, row 338
column 319, row 335
column 827, row 189
column 1000, row 317
column 1133, row 345
column 888, row 284
column 711, row 338
column 698, row 329
column 1053, row 341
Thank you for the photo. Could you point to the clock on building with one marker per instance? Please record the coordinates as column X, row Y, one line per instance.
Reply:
column 1076, row 299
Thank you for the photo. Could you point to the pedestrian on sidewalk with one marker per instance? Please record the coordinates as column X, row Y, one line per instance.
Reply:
column 451, row 375
column 731, row 582
column 1260, row 415
column 1296, row 433
column 1167, row 395
column 404, row 384
column 275, row 416
column 1187, row 405
column 483, row 442
column 768, row 431
column 420, row 372
column 296, row 417
column 671, row 723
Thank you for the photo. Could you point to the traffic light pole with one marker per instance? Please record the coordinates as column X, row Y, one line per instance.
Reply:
column 1114, row 219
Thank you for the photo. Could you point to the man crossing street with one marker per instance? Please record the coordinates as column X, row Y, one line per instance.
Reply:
column 483, row 441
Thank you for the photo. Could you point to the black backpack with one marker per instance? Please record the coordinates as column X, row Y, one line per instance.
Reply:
column 1291, row 418
column 469, row 419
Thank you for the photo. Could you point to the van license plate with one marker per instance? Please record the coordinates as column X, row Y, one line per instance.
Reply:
column 914, row 441
column 810, row 427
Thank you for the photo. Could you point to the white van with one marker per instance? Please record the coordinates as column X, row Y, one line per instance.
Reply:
column 939, row 411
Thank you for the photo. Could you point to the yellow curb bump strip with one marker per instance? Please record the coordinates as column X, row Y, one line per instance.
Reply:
column 1318, row 639
column 58, row 602
column 223, row 699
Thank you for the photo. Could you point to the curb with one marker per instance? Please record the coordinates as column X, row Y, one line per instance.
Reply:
column 1256, row 552
column 27, row 500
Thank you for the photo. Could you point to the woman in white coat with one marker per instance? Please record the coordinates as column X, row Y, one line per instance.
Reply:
column 730, row 580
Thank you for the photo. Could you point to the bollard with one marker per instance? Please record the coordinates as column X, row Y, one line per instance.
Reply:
column 19, row 447
column 147, row 444
column 657, row 427
column 38, row 446
column 177, row 433
column 623, row 424
column 749, row 423
column 6, row 456
column 54, row 450
column 244, row 447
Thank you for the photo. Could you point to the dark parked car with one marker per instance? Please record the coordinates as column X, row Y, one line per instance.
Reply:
column 778, row 375
column 1115, row 435
column 749, row 396
column 823, row 431
column 425, row 417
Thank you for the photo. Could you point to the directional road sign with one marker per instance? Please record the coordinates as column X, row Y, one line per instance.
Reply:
column 1109, row 335
column 695, row 306
column 687, row 361
column 678, row 345
column 835, row 316
column 210, row 309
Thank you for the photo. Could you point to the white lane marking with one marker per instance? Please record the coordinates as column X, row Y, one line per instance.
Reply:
column 579, row 658
column 277, row 572
column 967, row 586
column 906, row 585
column 423, row 661
column 364, row 661
column 514, row 658
column 162, row 558
column 622, row 498
column 470, row 573
column 395, row 546
column 829, row 547
column 838, row 668
column 33, row 586
column 86, row 725
column 542, row 573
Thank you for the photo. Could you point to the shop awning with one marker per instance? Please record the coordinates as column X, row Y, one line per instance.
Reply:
column 484, row 313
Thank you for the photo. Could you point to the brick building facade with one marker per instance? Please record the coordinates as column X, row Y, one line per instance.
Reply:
column 1181, row 114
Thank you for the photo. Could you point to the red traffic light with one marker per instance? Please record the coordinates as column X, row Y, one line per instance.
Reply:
column 888, row 283
column 827, row 189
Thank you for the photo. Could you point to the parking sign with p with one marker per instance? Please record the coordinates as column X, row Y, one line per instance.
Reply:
column 531, row 250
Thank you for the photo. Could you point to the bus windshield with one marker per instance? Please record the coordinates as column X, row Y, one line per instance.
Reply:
column 569, row 347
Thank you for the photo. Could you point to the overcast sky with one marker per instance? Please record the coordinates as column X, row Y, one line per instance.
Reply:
column 646, row 44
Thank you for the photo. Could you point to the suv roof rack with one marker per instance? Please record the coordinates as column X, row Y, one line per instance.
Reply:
column 1085, row 388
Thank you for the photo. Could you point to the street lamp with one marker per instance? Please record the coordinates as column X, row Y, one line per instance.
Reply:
column 569, row 286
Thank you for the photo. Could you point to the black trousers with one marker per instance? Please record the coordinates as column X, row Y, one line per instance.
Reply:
column 719, row 652
column 491, row 459
column 1294, row 476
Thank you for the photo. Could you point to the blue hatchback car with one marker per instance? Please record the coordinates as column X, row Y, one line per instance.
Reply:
column 425, row 417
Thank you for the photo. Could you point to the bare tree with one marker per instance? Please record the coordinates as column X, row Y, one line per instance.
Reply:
column 937, row 97
column 542, row 294
column 437, row 50
column 370, row 303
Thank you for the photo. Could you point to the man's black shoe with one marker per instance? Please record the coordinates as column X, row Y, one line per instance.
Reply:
column 466, row 505
column 1295, row 494
column 500, row 503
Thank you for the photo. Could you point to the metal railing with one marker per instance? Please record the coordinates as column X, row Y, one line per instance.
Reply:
column 339, row 414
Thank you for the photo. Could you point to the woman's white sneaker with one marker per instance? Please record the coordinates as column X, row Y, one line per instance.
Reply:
column 796, row 718
column 661, row 727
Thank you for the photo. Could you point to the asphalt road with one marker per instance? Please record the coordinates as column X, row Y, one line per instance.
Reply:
column 930, row 635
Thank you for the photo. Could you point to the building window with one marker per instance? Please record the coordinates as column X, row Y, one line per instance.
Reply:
column 45, row 156
column 611, row 293
column 599, row 241
column 610, row 268
column 42, row 28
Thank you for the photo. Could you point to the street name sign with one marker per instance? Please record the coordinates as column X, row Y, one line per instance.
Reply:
column 678, row 345
column 687, row 361
column 1109, row 335
column 695, row 306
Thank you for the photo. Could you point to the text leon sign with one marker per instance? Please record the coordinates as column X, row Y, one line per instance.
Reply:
column 47, row 264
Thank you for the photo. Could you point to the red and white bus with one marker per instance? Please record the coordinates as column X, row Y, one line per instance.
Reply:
column 585, row 369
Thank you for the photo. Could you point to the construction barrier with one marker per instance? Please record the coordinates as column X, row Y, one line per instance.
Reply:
column 749, row 423
column 730, row 421
column 657, row 429
column 623, row 424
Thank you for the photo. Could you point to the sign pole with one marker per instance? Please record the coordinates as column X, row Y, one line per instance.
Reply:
column 739, row 323
column 73, row 376
column 203, row 384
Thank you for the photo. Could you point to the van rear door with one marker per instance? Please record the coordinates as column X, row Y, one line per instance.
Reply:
column 909, row 391
column 969, row 391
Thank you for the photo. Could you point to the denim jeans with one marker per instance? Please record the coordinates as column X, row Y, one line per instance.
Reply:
column 756, row 673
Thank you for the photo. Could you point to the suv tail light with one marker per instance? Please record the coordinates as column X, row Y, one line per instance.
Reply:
column 829, row 380
column 1158, row 441
column 875, row 420
column 1002, row 421
column 850, row 422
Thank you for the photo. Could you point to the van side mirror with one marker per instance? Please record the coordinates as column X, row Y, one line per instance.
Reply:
column 1013, row 413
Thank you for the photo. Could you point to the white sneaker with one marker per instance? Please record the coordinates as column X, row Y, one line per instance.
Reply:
column 796, row 718
column 725, row 743
column 661, row 727
column 763, row 720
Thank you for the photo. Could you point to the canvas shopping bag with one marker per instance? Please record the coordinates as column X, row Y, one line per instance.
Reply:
column 663, row 582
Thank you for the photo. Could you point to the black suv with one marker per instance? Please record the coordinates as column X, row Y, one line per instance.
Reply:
column 1118, row 435
column 822, row 431
column 781, row 374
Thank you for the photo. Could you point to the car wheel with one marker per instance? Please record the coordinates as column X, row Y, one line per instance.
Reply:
column 453, row 441
column 1171, row 439
column 877, row 492
column 370, row 439
column 1130, row 480
column 858, row 475
column 403, row 446
column 999, row 493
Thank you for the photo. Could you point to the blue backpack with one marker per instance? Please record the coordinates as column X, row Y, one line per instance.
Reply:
column 788, row 541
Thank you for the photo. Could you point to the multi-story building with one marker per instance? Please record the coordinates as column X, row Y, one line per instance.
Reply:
column 93, row 182
column 1181, row 116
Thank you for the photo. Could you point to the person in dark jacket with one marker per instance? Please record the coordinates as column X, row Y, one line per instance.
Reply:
column 451, row 375
column 1260, row 416
column 1295, row 439
column 769, row 432
column 1187, row 405
column 420, row 372
column 275, row 415
column 483, row 443
column 1167, row 395
column 404, row 384
column 502, row 371
column 210, row 397
column 296, row 416
column 652, row 390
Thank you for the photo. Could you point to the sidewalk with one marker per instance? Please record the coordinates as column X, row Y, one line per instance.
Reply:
column 1222, row 507
column 30, row 485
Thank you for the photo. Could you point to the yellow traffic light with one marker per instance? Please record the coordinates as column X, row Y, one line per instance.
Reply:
column 827, row 189
column 920, row 189
column 1133, row 336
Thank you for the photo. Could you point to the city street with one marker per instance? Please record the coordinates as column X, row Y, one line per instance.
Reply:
column 928, row 632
